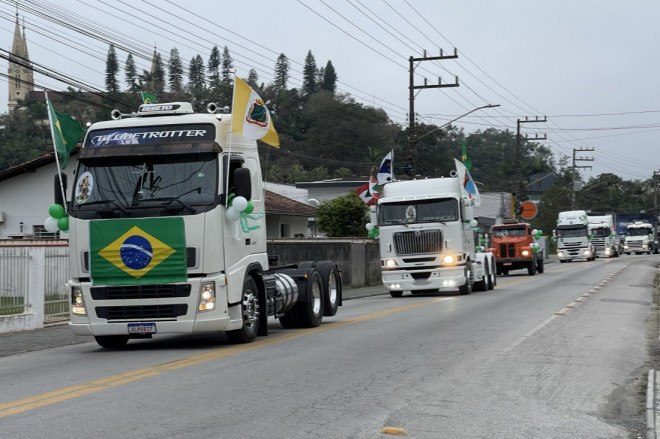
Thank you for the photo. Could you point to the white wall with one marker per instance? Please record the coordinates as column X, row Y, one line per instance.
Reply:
column 28, row 196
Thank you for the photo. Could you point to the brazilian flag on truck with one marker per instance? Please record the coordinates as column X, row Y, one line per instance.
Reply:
column 137, row 251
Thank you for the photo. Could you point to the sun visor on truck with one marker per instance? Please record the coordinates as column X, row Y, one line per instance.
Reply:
column 150, row 140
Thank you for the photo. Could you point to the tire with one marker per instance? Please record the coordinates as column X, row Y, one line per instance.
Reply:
column 466, row 288
column 531, row 268
column 309, row 313
column 306, row 264
column 540, row 266
column 482, row 285
column 490, row 279
column 112, row 341
column 288, row 320
column 332, row 287
column 250, row 313
column 505, row 271
column 396, row 293
column 499, row 270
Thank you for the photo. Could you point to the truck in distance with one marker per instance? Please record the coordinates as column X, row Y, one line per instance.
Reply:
column 573, row 240
column 426, row 239
column 604, row 236
column 168, row 234
column 514, row 247
column 640, row 238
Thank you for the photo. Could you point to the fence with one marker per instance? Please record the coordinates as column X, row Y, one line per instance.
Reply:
column 32, row 278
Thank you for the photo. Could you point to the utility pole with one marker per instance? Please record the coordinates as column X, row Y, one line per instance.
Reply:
column 519, row 189
column 412, row 135
column 655, row 192
column 576, row 159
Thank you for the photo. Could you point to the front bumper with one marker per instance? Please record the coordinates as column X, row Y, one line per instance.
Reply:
column 443, row 279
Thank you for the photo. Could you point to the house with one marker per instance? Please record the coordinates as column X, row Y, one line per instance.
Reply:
column 27, row 191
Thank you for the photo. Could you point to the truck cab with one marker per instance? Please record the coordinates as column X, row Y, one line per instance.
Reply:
column 514, row 247
column 573, row 238
column 603, row 235
column 640, row 238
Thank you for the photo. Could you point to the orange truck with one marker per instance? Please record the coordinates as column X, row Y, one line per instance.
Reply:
column 514, row 248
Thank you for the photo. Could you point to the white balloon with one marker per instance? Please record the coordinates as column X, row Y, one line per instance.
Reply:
column 239, row 203
column 232, row 214
column 535, row 232
column 369, row 226
column 51, row 224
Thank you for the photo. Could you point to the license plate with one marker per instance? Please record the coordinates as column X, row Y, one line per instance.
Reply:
column 421, row 281
column 141, row 328
column 508, row 263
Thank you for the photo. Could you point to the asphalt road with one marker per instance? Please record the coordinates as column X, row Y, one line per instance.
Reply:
column 558, row 355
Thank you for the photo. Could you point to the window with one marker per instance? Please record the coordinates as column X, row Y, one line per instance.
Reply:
column 40, row 232
column 285, row 230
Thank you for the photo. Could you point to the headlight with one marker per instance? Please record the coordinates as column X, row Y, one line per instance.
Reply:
column 525, row 252
column 625, row 246
column 390, row 264
column 560, row 254
column 207, row 297
column 608, row 251
column 77, row 302
column 587, row 253
column 449, row 259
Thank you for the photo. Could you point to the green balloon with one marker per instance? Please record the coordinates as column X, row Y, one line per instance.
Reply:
column 56, row 210
column 63, row 223
column 249, row 208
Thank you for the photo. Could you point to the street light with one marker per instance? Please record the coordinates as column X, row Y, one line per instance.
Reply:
column 459, row 117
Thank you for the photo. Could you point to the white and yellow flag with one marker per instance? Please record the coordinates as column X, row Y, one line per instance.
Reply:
column 250, row 116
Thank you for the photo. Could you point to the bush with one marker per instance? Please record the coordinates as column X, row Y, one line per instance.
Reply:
column 343, row 216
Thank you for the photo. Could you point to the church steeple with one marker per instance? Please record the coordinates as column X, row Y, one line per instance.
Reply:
column 21, row 77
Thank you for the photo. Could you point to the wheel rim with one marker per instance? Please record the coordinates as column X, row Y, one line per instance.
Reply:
column 316, row 298
column 250, row 309
column 332, row 289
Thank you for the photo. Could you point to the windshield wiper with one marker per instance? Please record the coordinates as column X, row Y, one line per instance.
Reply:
column 113, row 202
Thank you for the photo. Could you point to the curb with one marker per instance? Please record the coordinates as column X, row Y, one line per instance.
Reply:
column 650, row 406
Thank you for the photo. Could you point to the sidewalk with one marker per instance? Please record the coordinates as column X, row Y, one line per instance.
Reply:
column 57, row 335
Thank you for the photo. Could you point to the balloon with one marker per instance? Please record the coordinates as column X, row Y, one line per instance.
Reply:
column 369, row 226
column 63, row 223
column 249, row 208
column 51, row 224
column 371, row 234
column 56, row 210
column 232, row 214
column 239, row 203
column 535, row 232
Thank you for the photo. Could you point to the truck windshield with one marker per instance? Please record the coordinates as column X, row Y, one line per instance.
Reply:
column 572, row 232
column 600, row 232
column 508, row 231
column 638, row 232
column 414, row 212
column 145, row 185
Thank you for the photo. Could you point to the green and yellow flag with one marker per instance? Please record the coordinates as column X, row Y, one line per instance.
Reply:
column 65, row 131
column 137, row 251
column 464, row 157
column 148, row 98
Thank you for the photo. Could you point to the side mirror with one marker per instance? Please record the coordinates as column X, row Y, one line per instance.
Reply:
column 58, row 190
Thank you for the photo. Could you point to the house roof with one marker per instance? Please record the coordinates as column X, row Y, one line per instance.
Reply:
column 29, row 166
column 281, row 205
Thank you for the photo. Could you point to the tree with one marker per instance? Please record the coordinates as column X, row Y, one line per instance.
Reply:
column 213, row 70
column 225, row 88
column 196, row 73
column 175, row 74
column 157, row 75
column 343, row 216
column 281, row 76
column 253, row 79
column 130, row 73
column 329, row 81
column 309, row 85
column 111, row 69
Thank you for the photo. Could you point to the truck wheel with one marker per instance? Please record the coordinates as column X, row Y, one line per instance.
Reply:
column 288, row 320
column 466, row 288
column 306, row 264
column 396, row 293
column 482, row 285
column 309, row 312
column 539, row 266
column 531, row 268
column 505, row 271
column 250, row 313
column 332, row 287
column 111, row 341
column 492, row 278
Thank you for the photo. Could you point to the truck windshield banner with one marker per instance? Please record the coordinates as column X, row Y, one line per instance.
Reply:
column 137, row 251
column 151, row 135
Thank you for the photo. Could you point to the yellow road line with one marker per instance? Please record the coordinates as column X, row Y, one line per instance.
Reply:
column 79, row 390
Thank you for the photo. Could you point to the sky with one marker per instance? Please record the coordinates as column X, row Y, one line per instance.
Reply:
column 591, row 67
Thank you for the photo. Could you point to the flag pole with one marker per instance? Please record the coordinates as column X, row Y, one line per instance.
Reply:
column 233, row 97
column 392, row 163
column 57, row 159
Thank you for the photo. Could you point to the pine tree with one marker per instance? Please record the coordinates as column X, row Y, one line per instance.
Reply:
column 227, row 64
column 329, row 78
column 175, row 75
column 130, row 73
column 196, row 73
column 253, row 79
column 213, row 69
column 281, row 72
column 309, row 85
column 226, row 84
column 111, row 69
column 158, row 75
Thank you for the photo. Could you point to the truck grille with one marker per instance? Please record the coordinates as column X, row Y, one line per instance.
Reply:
column 141, row 312
column 507, row 250
column 418, row 242
column 635, row 245
column 599, row 243
column 140, row 292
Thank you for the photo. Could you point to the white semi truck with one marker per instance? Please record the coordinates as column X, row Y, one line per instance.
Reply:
column 640, row 238
column 603, row 235
column 168, row 234
column 573, row 240
column 427, row 239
